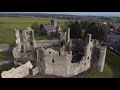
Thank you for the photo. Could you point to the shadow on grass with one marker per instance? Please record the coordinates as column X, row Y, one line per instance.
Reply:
column 5, row 67
column 113, row 62
column 6, row 55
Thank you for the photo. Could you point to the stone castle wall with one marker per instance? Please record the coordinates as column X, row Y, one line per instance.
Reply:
column 46, row 43
column 18, row 72
column 50, row 61
column 59, row 63
column 101, row 58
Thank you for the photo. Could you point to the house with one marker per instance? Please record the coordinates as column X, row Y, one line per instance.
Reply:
column 49, row 28
column 116, row 25
column 112, row 38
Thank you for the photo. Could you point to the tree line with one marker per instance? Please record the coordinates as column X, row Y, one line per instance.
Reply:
column 79, row 29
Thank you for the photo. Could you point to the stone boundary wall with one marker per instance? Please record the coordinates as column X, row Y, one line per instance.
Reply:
column 45, row 43
column 18, row 72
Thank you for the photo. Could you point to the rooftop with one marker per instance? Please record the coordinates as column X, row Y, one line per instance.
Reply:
column 112, row 36
column 49, row 27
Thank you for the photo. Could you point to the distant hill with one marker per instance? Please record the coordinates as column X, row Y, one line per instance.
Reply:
column 63, row 16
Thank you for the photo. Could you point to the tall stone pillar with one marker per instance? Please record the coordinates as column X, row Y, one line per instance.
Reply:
column 101, row 59
column 18, row 41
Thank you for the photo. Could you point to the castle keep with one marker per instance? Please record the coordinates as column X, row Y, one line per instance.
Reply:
column 64, row 57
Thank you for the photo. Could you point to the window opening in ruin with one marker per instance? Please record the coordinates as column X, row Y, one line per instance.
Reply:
column 16, row 45
column 40, row 59
column 49, row 52
column 30, row 33
column 53, row 60
column 88, row 57
column 61, row 43
column 27, row 33
column 59, row 53
column 31, row 43
column 84, row 63
column 22, row 47
column 90, row 48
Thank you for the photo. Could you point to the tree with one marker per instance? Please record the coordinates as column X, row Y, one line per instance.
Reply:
column 82, row 33
column 36, row 27
column 75, row 28
column 81, row 29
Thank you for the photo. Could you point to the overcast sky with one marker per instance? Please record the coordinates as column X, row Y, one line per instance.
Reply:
column 78, row 13
column 88, row 13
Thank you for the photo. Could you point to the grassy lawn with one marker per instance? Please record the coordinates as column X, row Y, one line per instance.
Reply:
column 5, row 67
column 113, row 62
column 42, row 37
column 107, row 73
column 9, row 24
column 5, row 55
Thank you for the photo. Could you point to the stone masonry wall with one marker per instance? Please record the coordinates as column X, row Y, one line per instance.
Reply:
column 45, row 43
column 101, row 58
column 57, row 63
column 18, row 72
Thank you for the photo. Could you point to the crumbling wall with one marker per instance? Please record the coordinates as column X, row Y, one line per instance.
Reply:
column 65, row 36
column 35, row 70
column 45, row 43
column 23, row 52
column 55, row 62
column 28, row 39
column 18, row 72
column 85, row 63
column 16, row 53
column 59, row 62
column 18, row 41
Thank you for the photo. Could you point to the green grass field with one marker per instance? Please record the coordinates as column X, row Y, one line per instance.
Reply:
column 9, row 24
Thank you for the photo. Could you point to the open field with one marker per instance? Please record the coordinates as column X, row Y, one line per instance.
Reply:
column 9, row 24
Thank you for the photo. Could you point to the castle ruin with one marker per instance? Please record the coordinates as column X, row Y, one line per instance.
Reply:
column 59, row 57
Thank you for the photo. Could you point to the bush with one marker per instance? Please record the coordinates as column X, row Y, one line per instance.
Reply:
column 36, row 27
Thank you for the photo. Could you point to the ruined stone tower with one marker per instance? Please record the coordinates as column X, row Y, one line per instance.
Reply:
column 16, row 50
column 101, row 58
column 28, row 39
column 54, row 23
column 68, row 35
column 18, row 41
